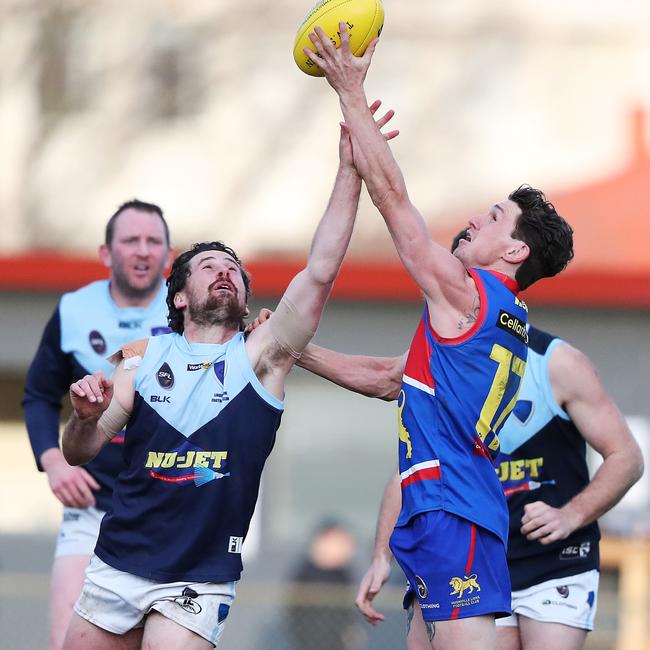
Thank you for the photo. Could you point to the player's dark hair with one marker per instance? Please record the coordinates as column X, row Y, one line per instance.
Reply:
column 134, row 204
column 548, row 235
column 181, row 271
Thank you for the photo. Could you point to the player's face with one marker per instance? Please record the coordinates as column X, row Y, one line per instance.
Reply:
column 215, row 289
column 489, row 235
column 139, row 253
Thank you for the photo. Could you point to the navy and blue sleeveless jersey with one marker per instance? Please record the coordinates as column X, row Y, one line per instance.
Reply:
column 199, row 434
column 543, row 459
column 455, row 395
column 86, row 327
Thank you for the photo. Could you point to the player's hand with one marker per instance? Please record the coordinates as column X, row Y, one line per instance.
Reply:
column 263, row 316
column 72, row 486
column 547, row 524
column 91, row 395
column 346, row 158
column 370, row 586
column 343, row 70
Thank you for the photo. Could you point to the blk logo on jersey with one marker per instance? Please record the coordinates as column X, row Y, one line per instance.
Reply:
column 97, row 342
column 511, row 324
column 130, row 324
column 163, row 399
column 165, row 376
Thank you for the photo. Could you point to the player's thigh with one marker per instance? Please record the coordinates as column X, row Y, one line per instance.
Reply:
column 508, row 638
column 417, row 632
column 538, row 635
column 472, row 633
column 65, row 586
column 161, row 633
column 83, row 635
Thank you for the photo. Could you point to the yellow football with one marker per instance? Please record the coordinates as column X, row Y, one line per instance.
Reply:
column 364, row 18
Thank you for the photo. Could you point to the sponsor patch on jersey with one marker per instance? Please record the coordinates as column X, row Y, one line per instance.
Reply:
column 165, row 376
column 576, row 551
column 97, row 342
column 513, row 325
column 193, row 367
column 157, row 331
column 235, row 544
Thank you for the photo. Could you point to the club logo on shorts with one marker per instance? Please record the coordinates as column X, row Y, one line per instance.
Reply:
column 423, row 591
column 563, row 590
column 460, row 585
column 187, row 603
column 97, row 342
column 165, row 376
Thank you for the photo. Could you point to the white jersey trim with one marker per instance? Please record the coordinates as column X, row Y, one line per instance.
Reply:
column 418, row 384
column 418, row 466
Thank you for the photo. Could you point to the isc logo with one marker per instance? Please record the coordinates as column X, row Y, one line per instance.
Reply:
column 160, row 398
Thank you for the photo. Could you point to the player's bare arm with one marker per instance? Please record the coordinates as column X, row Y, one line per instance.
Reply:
column 101, row 407
column 580, row 392
column 441, row 276
column 379, row 570
column 378, row 377
column 274, row 347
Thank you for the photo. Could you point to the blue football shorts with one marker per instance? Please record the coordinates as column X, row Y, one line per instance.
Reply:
column 455, row 568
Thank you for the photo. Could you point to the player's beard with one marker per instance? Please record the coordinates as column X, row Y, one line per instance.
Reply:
column 216, row 310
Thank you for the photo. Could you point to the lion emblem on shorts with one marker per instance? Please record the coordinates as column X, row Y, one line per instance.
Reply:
column 459, row 585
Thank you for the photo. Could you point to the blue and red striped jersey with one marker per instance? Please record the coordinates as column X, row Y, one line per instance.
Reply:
column 456, row 394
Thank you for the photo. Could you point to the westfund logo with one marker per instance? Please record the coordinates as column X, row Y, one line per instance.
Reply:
column 165, row 376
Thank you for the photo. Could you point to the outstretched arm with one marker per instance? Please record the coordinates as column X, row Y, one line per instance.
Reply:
column 379, row 570
column 276, row 344
column 379, row 377
column 101, row 407
column 580, row 392
column 438, row 273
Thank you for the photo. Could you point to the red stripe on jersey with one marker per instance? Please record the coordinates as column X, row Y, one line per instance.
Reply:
column 422, row 475
column 419, row 359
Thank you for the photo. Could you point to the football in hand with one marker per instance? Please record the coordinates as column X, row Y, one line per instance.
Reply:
column 364, row 19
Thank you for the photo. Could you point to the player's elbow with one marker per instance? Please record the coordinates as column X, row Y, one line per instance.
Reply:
column 637, row 465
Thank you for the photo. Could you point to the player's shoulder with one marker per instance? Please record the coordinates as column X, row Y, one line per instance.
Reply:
column 132, row 350
column 540, row 341
column 89, row 295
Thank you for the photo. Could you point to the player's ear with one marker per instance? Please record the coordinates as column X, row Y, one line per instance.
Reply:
column 180, row 300
column 518, row 253
column 105, row 256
